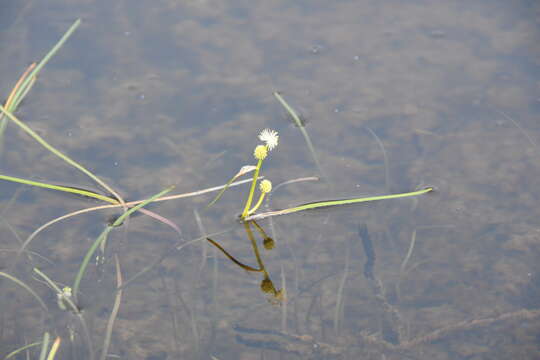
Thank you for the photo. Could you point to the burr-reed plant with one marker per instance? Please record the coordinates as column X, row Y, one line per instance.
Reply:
column 270, row 139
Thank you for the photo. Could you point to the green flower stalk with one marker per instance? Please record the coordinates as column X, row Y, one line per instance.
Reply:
column 270, row 138
column 260, row 154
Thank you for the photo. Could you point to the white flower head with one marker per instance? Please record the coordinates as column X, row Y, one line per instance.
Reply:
column 270, row 138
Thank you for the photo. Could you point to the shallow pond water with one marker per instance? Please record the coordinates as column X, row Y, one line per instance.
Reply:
column 396, row 96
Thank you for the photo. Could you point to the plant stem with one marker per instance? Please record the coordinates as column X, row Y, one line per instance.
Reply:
column 252, row 189
column 261, row 198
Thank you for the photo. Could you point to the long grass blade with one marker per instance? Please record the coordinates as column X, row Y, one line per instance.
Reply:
column 22, row 89
column 9, row 102
column 26, row 287
column 56, row 152
column 329, row 203
column 67, row 189
column 21, row 349
column 54, row 348
column 23, row 94
column 20, row 92
column 28, row 78
column 44, row 346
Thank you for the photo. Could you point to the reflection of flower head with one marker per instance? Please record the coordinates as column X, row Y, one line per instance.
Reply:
column 266, row 285
column 260, row 152
column 265, row 186
column 268, row 243
column 270, row 138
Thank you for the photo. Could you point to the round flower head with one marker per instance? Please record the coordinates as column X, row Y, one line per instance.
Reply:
column 260, row 152
column 270, row 138
column 67, row 291
column 265, row 186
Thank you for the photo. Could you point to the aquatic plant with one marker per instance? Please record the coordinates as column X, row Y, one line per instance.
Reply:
column 270, row 139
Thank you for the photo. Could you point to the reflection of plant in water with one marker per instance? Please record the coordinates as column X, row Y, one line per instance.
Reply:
column 267, row 286
column 269, row 243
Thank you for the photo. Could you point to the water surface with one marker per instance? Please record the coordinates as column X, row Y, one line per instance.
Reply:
column 153, row 94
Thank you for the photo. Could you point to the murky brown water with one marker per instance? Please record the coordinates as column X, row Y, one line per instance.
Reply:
column 149, row 94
